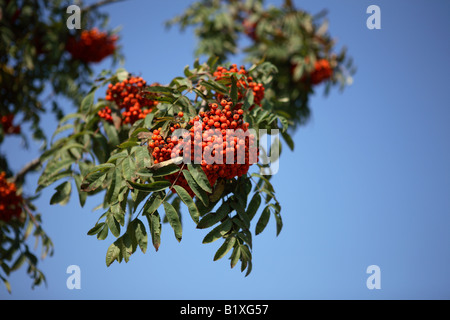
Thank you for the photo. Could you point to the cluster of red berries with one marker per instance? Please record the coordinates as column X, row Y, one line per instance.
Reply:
column 322, row 71
column 250, row 28
column 91, row 46
column 128, row 95
column 6, row 122
column 10, row 201
column 245, row 82
column 212, row 140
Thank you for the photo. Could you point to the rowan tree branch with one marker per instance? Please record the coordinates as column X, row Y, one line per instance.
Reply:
column 30, row 166
column 99, row 4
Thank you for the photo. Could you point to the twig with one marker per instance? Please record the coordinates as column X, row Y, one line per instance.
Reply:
column 30, row 166
column 181, row 169
column 260, row 191
column 176, row 179
column 99, row 4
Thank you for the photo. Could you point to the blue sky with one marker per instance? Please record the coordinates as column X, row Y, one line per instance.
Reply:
column 368, row 182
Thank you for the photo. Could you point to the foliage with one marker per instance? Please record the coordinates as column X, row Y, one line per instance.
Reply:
column 36, row 74
column 134, row 146
column 101, row 156
column 291, row 39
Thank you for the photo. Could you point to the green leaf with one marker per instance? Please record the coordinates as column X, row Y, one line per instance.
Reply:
column 188, row 201
column 253, row 206
column 212, row 61
column 93, row 180
column 128, row 168
column 150, row 187
column 126, row 247
column 279, row 222
column 128, row 144
column 148, row 120
column 19, row 261
column 202, row 208
column 187, row 72
column 102, row 167
column 263, row 220
column 165, row 170
column 234, row 90
column 6, row 283
column 213, row 85
column 218, row 231
column 113, row 158
column 111, row 132
column 235, row 256
column 199, row 192
column 288, row 139
column 249, row 100
column 62, row 194
column 212, row 218
column 96, row 229
column 140, row 234
column 48, row 180
column 236, row 205
column 199, row 176
column 246, row 257
column 224, row 248
column 71, row 116
column 153, row 203
column 103, row 233
column 113, row 225
column 154, row 222
column 199, row 93
column 218, row 191
column 61, row 129
column 118, row 211
column 144, row 173
column 88, row 101
column 267, row 182
column 113, row 252
column 121, row 74
column 138, row 197
column 174, row 220
column 58, row 148
column 161, row 90
column 53, row 168
column 249, row 268
column 111, row 183
column 142, row 157
column 119, row 184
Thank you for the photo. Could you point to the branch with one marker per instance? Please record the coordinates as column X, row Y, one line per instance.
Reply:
column 99, row 4
column 30, row 166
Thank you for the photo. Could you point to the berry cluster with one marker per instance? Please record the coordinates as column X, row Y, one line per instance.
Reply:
column 128, row 96
column 250, row 28
column 6, row 122
column 244, row 82
column 212, row 140
column 10, row 201
column 322, row 71
column 92, row 46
